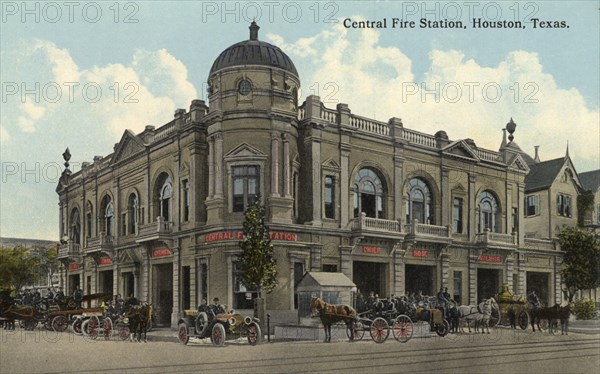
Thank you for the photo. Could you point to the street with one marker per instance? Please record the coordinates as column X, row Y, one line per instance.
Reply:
column 502, row 351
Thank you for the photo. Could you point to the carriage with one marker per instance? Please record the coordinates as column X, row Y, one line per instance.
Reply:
column 379, row 328
column 518, row 306
column 59, row 319
column 218, row 326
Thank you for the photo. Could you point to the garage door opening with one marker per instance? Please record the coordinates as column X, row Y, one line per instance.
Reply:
column 488, row 283
column 163, row 293
column 105, row 280
column 369, row 276
column 420, row 278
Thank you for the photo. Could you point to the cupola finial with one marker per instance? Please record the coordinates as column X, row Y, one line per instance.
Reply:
column 254, row 31
column 510, row 127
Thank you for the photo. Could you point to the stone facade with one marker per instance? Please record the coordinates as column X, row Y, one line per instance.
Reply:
column 394, row 209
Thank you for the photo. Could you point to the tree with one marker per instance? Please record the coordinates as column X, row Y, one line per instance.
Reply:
column 18, row 268
column 257, row 264
column 581, row 265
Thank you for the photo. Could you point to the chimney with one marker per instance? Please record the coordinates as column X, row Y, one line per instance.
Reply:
column 537, row 156
column 503, row 139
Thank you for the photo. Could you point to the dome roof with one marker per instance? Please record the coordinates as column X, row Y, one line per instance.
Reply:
column 253, row 52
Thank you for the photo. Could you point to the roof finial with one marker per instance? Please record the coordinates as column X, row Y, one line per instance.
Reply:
column 537, row 156
column 511, row 126
column 254, row 31
column 567, row 154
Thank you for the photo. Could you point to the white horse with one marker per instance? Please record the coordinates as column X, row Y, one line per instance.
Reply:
column 480, row 314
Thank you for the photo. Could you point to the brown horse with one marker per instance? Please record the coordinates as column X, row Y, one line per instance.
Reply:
column 138, row 316
column 331, row 314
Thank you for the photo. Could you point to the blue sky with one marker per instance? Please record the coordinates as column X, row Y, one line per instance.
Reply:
column 159, row 53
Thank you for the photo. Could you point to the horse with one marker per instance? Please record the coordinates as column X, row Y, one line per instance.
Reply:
column 453, row 317
column 564, row 313
column 138, row 316
column 331, row 314
column 480, row 314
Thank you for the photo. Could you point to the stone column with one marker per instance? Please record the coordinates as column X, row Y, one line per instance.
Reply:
column 211, row 167
column 510, row 264
column 219, row 171
column 275, row 164
column 346, row 260
column 522, row 278
column 473, row 278
column 145, row 276
column 558, row 295
column 116, row 279
column 472, row 206
column 399, row 271
column 445, row 267
column 176, row 273
column 344, row 181
column 316, row 175
column 287, row 180
column 508, row 208
column 315, row 257
column 521, row 205
column 445, row 202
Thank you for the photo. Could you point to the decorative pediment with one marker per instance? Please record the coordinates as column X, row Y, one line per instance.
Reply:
column 518, row 163
column 129, row 145
column 244, row 151
column 330, row 164
column 460, row 149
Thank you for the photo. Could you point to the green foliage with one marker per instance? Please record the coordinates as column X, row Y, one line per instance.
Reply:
column 257, row 264
column 581, row 265
column 585, row 309
column 585, row 205
column 18, row 267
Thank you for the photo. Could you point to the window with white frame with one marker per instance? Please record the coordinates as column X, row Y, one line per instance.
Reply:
column 488, row 212
column 368, row 194
column 246, row 187
column 532, row 205
column 133, row 208
column 329, row 196
column 242, row 296
column 419, row 202
column 563, row 205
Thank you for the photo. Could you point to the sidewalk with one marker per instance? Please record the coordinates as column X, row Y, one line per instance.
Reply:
column 585, row 327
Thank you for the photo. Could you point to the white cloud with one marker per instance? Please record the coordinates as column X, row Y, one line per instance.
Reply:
column 31, row 113
column 4, row 135
column 377, row 81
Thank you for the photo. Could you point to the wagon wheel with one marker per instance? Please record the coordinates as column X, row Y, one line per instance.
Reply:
column 543, row 324
column 402, row 328
column 90, row 327
column 76, row 326
column 107, row 328
column 123, row 332
column 442, row 329
column 523, row 320
column 201, row 324
column 182, row 334
column 60, row 323
column 218, row 335
column 358, row 328
column 495, row 317
column 254, row 334
column 48, row 324
column 380, row 330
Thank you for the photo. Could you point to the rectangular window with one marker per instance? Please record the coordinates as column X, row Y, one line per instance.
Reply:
column 532, row 205
column 185, row 294
column 186, row 200
column 457, row 286
column 242, row 296
column 515, row 219
column 457, row 215
column 298, row 274
column 295, row 194
column 202, row 283
column 245, row 187
column 329, row 197
column 563, row 205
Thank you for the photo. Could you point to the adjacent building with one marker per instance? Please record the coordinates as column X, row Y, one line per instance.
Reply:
column 394, row 209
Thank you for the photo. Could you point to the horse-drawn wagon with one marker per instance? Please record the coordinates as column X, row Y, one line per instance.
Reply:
column 218, row 325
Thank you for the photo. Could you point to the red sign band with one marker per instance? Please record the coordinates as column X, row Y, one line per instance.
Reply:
column 372, row 250
column 161, row 252
column 492, row 259
column 422, row 253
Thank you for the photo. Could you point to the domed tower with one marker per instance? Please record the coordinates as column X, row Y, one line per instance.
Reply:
column 252, row 127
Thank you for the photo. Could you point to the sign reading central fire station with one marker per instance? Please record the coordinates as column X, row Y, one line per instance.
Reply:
column 239, row 235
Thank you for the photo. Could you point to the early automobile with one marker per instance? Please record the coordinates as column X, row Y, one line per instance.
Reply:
column 218, row 326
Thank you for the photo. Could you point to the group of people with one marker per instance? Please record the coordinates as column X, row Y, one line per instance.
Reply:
column 443, row 300
column 215, row 308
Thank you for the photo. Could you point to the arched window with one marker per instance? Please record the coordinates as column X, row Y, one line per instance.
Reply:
column 88, row 220
column 419, row 202
column 166, row 193
column 108, row 213
column 488, row 212
column 75, row 226
column 368, row 194
column 133, row 208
